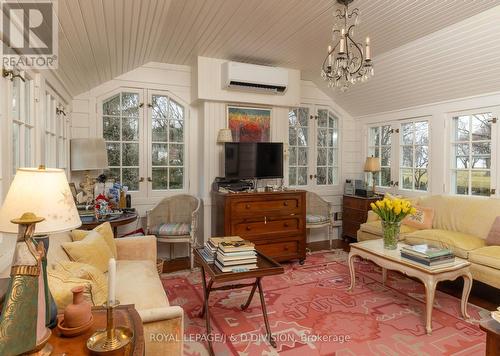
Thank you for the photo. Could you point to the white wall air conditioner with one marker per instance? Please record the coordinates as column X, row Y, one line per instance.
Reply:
column 255, row 78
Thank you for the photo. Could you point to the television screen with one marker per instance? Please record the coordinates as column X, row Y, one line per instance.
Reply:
column 246, row 160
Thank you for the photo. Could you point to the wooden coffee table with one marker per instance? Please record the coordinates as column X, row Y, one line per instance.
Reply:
column 374, row 251
column 265, row 267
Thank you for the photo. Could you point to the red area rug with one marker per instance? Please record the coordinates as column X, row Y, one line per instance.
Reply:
column 312, row 313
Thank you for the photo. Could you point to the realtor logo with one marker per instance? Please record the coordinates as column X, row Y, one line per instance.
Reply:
column 29, row 34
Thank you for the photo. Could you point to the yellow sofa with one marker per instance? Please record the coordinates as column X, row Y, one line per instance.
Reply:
column 138, row 283
column 460, row 224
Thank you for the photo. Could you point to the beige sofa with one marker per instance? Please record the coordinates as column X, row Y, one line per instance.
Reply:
column 138, row 283
column 460, row 224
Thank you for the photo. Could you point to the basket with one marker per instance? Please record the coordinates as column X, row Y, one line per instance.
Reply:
column 159, row 266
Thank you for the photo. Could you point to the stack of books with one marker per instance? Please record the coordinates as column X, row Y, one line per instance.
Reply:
column 210, row 249
column 236, row 256
column 429, row 256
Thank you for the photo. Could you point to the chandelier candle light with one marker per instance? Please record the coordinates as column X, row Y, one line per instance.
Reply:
column 345, row 63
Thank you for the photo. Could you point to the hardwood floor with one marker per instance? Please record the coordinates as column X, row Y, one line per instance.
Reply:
column 481, row 295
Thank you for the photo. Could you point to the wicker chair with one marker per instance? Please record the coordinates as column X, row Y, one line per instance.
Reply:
column 319, row 214
column 175, row 220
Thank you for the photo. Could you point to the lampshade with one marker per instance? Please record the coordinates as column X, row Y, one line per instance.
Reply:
column 372, row 164
column 88, row 154
column 224, row 135
column 44, row 192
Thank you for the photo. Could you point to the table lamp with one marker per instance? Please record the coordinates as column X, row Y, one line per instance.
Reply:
column 88, row 154
column 38, row 201
column 372, row 164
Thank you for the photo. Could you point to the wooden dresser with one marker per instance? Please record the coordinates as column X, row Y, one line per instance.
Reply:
column 354, row 213
column 274, row 221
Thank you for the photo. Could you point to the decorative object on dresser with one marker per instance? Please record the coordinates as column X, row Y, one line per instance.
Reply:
column 38, row 201
column 372, row 165
column 354, row 213
column 175, row 220
column 88, row 154
column 274, row 221
column 319, row 214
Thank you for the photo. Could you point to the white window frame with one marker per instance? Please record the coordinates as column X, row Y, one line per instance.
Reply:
column 495, row 157
column 392, row 158
column 312, row 153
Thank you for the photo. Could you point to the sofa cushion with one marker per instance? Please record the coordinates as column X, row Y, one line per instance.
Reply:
column 106, row 232
column 137, row 282
column 92, row 250
column 487, row 256
column 461, row 244
column 316, row 219
column 493, row 238
column 171, row 229
column 56, row 253
column 375, row 227
column 422, row 219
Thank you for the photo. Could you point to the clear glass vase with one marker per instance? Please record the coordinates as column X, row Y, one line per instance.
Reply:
column 391, row 234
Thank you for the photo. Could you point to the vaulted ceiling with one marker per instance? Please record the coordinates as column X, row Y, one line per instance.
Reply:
column 424, row 50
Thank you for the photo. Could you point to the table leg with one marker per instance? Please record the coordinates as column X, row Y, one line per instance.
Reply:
column 206, row 293
column 384, row 276
column 264, row 313
column 245, row 306
column 352, row 271
column 465, row 294
column 430, row 289
column 115, row 232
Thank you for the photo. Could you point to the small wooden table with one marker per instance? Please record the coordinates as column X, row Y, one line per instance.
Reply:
column 265, row 267
column 125, row 315
column 124, row 219
column 374, row 251
column 492, row 329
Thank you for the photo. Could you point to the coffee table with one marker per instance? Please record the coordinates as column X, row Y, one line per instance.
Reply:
column 266, row 266
column 374, row 251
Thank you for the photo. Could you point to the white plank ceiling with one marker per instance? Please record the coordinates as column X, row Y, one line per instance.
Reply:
column 418, row 58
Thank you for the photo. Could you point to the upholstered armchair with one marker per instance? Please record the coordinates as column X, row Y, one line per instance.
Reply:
column 175, row 220
column 319, row 214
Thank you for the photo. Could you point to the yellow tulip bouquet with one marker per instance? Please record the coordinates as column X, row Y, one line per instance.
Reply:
column 392, row 212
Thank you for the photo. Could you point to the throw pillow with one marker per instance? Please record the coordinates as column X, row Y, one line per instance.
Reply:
column 105, row 230
column 422, row 219
column 92, row 250
column 493, row 238
column 90, row 273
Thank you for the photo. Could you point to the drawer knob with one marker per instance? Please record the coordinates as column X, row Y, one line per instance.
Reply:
column 285, row 248
column 247, row 206
column 248, row 228
column 285, row 203
column 286, row 224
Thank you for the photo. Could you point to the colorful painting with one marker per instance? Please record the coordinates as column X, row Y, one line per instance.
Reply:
column 249, row 124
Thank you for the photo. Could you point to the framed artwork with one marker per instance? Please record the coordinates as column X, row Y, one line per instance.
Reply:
column 249, row 124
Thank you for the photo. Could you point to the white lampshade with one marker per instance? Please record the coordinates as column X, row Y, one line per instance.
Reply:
column 372, row 164
column 44, row 192
column 224, row 135
column 88, row 154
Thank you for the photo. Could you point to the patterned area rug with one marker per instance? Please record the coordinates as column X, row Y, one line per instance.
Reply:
column 312, row 313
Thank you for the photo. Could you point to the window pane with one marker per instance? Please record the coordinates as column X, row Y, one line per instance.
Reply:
column 322, row 157
column 481, row 183
column 113, row 174
column 160, row 130
column 322, row 118
column 113, row 154
column 130, row 154
column 407, row 134
column 111, row 129
column 406, row 156
column 130, row 104
column 292, row 118
column 462, row 129
column 330, row 175
column 160, row 178
column 335, row 138
column 422, row 133
column 292, row 176
column 112, row 106
column 160, row 109
column 176, row 175
column 293, row 156
column 302, row 176
column 131, row 178
column 385, row 177
column 176, row 111
column 386, row 156
column 322, row 137
column 303, row 116
column 421, row 179
column 130, row 129
column 421, row 156
column 176, row 155
column 374, row 136
column 15, row 147
column 302, row 137
column 176, row 131
column 292, row 136
column 321, row 176
column 332, row 157
column 302, row 157
column 16, row 97
column 386, row 135
column 481, row 127
column 160, row 154
column 406, row 179
column 461, row 182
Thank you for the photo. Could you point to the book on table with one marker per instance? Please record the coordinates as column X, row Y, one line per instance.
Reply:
column 235, row 256
column 211, row 245
column 426, row 251
column 439, row 261
column 235, row 268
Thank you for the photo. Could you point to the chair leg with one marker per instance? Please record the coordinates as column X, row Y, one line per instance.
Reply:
column 191, row 255
column 172, row 251
column 329, row 236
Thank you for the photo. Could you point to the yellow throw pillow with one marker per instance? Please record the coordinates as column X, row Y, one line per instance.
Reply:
column 92, row 250
column 105, row 230
column 422, row 219
column 64, row 276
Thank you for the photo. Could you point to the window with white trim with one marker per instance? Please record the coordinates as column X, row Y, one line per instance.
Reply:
column 50, row 137
column 471, row 148
column 313, row 142
column 414, row 155
column 379, row 145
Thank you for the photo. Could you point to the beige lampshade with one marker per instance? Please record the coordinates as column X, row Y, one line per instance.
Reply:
column 44, row 192
column 224, row 135
column 372, row 164
column 88, row 154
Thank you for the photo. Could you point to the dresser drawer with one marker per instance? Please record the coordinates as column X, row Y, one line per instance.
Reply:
column 350, row 229
column 273, row 206
column 249, row 228
column 355, row 215
column 279, row 249
column 356, row 203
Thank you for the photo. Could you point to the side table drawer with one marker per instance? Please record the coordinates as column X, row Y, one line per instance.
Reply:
column 355, row 215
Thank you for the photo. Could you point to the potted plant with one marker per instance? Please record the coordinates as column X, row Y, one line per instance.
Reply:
column 392, row 212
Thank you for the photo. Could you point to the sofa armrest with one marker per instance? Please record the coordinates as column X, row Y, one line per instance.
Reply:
column 142, row 248
column 372, row 216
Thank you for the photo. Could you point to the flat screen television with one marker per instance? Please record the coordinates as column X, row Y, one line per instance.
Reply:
column 248, row 160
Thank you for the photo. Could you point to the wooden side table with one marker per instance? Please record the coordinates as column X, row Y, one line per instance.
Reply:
column 124, row 219
column 354, row 213
column 492, row 329
column 125, row 315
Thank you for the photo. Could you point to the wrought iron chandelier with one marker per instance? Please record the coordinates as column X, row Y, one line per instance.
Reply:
column 346, row 63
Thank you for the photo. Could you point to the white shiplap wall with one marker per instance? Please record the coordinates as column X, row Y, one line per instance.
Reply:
column 206, row 118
